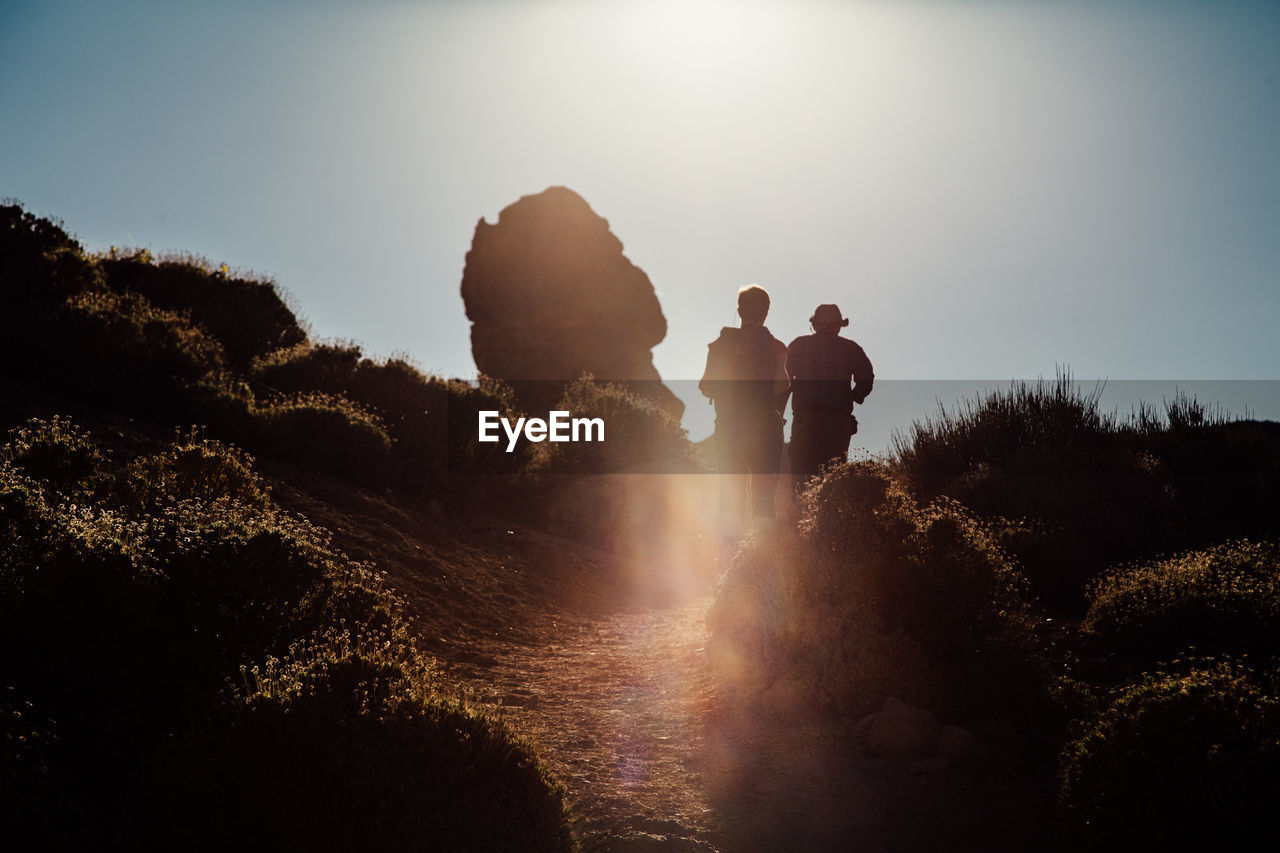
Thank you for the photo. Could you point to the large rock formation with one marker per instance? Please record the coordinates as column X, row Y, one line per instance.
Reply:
column 551, row 296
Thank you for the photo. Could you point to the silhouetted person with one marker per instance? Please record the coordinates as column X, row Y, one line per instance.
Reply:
column 746, row 378
column 821, row 366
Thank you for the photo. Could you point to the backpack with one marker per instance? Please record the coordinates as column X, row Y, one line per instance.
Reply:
column 741, row 371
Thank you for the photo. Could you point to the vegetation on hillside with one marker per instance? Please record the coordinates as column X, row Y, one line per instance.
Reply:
column 186, row 666
column 178, row 340
column 1107, row 585
column 1179, row 761
column 1071, row 490
column 877, row 596
column 1223, row 600
column 642, row 435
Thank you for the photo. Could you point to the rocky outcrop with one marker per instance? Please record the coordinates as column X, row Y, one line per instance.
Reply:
column 551, row 296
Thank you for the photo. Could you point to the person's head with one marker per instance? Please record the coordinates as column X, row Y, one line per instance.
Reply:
column 828, row 320
column 753, row 305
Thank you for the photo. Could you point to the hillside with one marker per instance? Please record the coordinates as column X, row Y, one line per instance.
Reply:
column 110, row 360
column 179, row 614
column 262, row 590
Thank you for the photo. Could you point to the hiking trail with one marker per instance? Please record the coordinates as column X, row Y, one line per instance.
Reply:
column 621, row 708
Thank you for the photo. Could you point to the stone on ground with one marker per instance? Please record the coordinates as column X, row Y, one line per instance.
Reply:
column 903, row 731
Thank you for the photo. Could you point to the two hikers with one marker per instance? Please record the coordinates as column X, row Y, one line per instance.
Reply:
column 749, row 376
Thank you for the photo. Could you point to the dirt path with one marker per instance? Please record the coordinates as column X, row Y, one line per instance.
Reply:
column 621, row 709
column 600, row 663
column 617, row 708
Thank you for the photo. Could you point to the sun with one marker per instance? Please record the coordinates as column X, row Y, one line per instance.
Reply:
column 697, row 43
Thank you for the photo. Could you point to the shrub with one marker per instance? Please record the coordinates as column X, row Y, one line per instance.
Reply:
column 397, row 392
column 39, row 261
column 934, row 572
column 392, row 388
column 450, row 428
column 307, row 366
column 341, row 748
column 77, row 601
column 1073, row 491
column 224, row 406
column 772, row 622
column 1187, row 413
column 1179, row 762
column 1223, row 600
column 1224, row 477
column 247, row 315
column 126, row 614
column 1000, row 425
column 404, row 397
column 195, row 582
column 123, row 350
column 192, row 469
column 326, row 433
column 639, row 434
column 431, row 421
column 943, row 602
column 26, row 518
column 56, row 452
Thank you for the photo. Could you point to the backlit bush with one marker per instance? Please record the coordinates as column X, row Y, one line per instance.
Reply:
column 193, row 468
column 102, row 601
column 919, row 600
column 998, row 426
column 773, row 621
column 246, row 314
column 325, row 433
column 126, row 613
column 26, row 517
column 57, row 452
column 431, row 421
column 932, row 571
column 307, row 366
column 639, row 434
column 340, row 747
column 1223, row 600
column 1072, row 490
column 410, row 405
column 1179, row 762
column 451, row 421
column 39, row 261
column 123, row 351
column 181, row 341
column 1224, row 476
column 391, row 388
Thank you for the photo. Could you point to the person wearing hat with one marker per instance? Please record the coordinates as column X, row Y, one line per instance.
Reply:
column 821, row 367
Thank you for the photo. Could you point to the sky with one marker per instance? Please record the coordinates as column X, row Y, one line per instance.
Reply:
column 989, row 190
